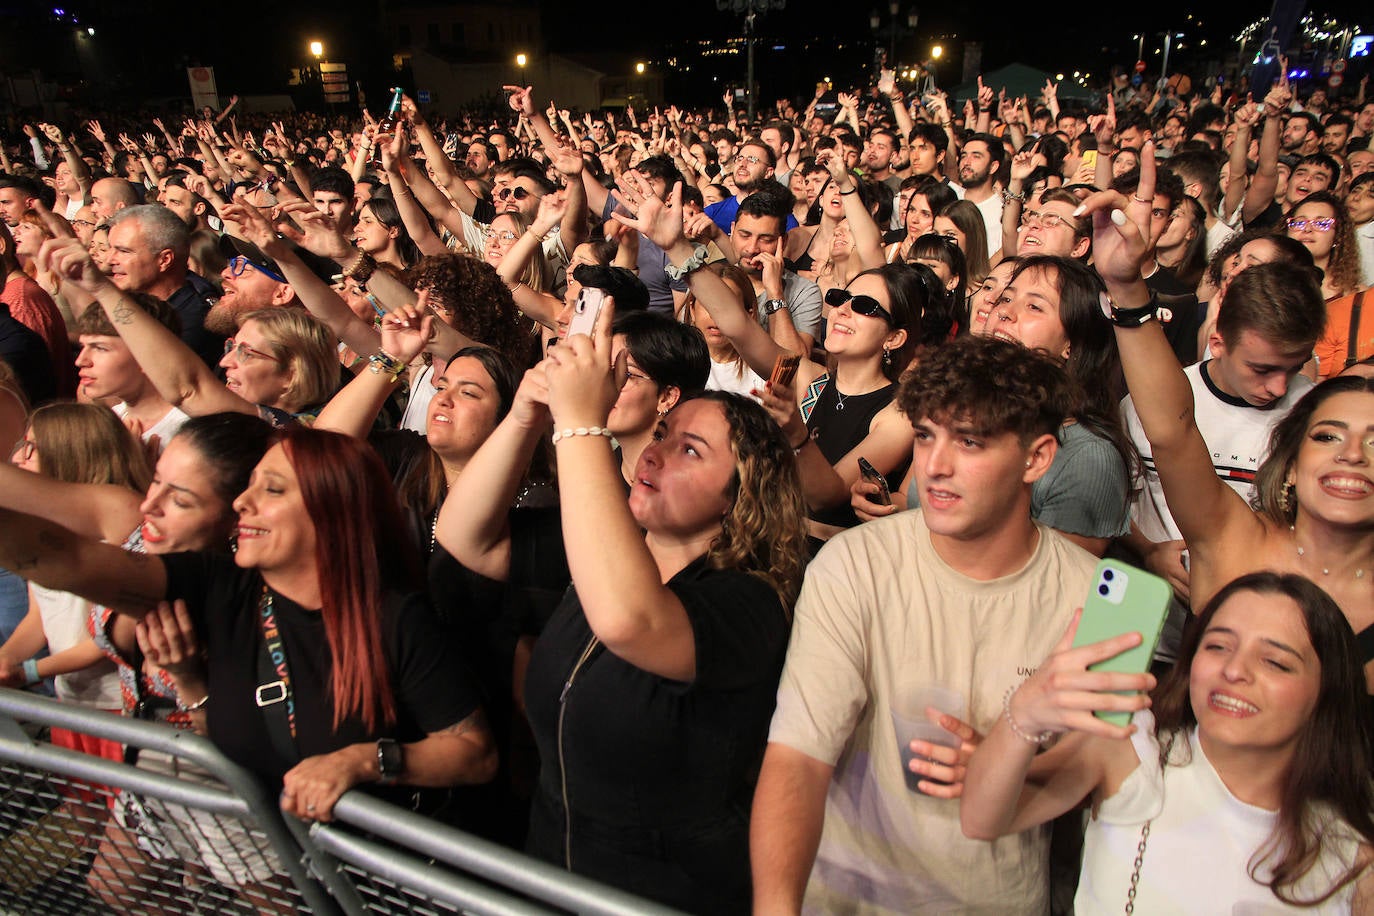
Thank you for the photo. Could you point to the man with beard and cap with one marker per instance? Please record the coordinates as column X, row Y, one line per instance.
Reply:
column 251, row 281
column 753, row 169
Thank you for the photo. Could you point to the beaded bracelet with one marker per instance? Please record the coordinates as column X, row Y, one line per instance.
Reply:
column 1017, row 730
column 580, row 431
column 383, row 363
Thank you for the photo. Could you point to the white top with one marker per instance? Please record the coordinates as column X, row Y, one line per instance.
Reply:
column 64, row 626
column 422, row 391
column 992, row 220
column 727, row 377
column 1202, row 839
column 1364, row 241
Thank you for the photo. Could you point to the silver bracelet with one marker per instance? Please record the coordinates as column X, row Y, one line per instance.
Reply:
column 570, row 432
column 1017, row 730
column 194, row 707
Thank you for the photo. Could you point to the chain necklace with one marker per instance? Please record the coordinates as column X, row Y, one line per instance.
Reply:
column 1326, row 571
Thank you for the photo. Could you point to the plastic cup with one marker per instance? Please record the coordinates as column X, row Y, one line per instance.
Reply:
column 910, row 722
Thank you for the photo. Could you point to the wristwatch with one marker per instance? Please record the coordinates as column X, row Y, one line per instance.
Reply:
column 390, row 760
column 772, row 305
column 1133, row 317
column 695, row 262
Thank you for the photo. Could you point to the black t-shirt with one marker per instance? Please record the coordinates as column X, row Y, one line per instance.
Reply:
column 1180, row 318
column 427, row 680
column 660, row 771
column 1270, row 218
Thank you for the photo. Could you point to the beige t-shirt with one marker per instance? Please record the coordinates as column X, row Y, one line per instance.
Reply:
column 879, row 603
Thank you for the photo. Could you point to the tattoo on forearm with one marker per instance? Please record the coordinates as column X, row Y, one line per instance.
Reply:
column 123, row 313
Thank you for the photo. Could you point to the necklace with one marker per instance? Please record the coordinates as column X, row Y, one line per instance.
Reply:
column 1359, row 573
column 839, row 399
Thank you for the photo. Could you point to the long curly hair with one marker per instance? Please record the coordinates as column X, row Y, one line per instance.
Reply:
column 1343, row 263
column 1329, row 772
column 472, row 298
column 764, row 533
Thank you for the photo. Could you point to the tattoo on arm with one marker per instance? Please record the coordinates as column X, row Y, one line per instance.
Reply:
column 123, row 313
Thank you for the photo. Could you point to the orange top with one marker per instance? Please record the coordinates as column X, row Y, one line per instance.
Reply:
column 1334, row 345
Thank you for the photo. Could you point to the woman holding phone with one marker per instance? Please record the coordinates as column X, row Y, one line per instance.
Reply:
column 650, row 690
column 1243, row 780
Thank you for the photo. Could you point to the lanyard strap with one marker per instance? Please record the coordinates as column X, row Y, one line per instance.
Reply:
column 273, row 694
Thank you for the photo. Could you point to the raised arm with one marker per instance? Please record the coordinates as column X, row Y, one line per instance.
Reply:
column 1246, row 117
column 1206, row 509
column 397, row 164
column 354, row 409
column 473, row 524
column 867, row 238
column 176, row 371
column 618, row 580
column 1260, row 196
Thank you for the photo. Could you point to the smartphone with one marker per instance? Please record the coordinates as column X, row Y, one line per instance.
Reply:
column 586, row 310
column 784, row 370
column 884, row 496
column 1090, row 159
column 1123, row 599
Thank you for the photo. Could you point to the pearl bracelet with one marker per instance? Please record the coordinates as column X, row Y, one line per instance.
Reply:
column 570, row 432
column 1017, row 730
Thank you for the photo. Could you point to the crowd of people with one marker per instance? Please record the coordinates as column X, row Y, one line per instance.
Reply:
column 604, row 483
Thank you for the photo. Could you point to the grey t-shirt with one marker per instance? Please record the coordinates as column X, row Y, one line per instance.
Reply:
column 803, row 303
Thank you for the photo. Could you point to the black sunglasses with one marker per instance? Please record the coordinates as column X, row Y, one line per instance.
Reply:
column 517, row 192
column 860, row 305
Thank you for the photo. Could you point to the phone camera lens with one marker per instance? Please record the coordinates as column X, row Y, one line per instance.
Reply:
column 1108, row 575
column 1104, row 590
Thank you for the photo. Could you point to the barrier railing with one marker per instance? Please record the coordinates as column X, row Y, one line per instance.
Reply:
column 188, row 831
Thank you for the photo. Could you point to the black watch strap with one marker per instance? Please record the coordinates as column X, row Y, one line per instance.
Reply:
column 1134, row 318
column 390, row 760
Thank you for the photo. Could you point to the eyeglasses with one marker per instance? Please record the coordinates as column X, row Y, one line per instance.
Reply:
column 238, row 264
column 83, row 222
column 859, row 305
column 752, row 160
column 505, row 235
column 518, row 193
column 243, row 353
column 1046, row 220
column 23, row 450
column 1325, row 224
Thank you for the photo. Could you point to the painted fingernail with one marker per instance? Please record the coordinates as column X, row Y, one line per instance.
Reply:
column 1082, row 208
column 1118, row 217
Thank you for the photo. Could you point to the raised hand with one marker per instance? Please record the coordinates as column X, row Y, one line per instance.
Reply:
column 408, row 330
column 521, row 100
column 1063, row 694
column 659, row 221
column 68, row 259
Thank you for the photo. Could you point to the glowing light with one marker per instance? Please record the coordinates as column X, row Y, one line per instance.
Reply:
column 937, row 52
column 317, row 48
column 521, row 60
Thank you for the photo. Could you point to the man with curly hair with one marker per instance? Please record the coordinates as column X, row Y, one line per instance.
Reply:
column 967, row 593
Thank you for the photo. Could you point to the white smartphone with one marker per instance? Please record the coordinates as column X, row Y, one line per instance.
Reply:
column 586, row 310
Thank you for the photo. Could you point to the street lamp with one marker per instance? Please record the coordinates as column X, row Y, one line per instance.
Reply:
column 893, row 8
column 639, row 68
column 317, row 49
column 937, row 52
column 521, row 60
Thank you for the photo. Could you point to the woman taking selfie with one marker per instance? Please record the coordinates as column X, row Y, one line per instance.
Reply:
column 1242, row 784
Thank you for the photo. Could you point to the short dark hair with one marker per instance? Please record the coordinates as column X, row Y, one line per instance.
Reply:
column 1279, row 301
column 623, row 285
column 660, row 167
column 933, row 134
column 996, row 385
column 669, row 352
column 771, row 200
column 525, row 167
column 333, row 179
column 786, row 132
column 1200, row 168
column 1326, row 161
column 1314, row 123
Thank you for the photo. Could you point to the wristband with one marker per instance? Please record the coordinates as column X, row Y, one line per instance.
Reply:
column 695, row 262
column 572, row 432
column 197, row 706
column 854, row 190
column 30, row 669
column 383, row 363
column 1134, row 318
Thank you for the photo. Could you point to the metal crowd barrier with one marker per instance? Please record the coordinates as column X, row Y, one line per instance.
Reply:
column 187, row 831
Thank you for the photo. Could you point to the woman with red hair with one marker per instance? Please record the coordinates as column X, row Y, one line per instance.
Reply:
column 312, row 633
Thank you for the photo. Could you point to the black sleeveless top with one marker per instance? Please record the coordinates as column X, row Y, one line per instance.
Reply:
column 837, row 424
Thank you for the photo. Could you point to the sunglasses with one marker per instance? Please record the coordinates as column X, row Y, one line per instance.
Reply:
column 243, row 353
column 859, row 305
column 1325, row 224
column 238, row 264
column 517, row 193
